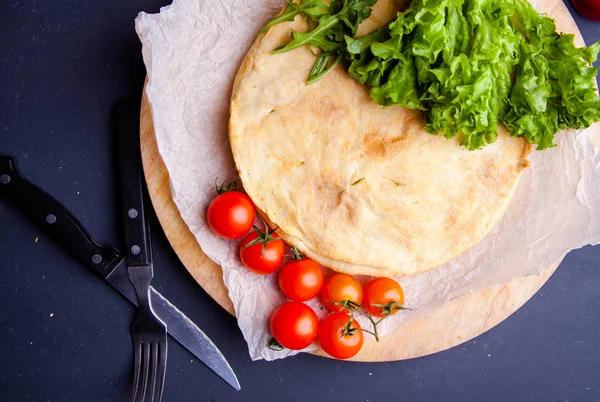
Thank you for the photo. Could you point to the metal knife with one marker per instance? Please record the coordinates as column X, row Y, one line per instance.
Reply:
column 58, row 222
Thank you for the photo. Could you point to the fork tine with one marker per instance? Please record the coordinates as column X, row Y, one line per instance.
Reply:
column 146, row 369
column 154, row 348
column 137, row 362
column 162, row 366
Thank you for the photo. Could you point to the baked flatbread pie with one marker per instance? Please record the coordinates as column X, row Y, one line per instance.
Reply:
column 360, row 188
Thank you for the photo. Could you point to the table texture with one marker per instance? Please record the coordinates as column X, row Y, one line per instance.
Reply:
column 64, row 334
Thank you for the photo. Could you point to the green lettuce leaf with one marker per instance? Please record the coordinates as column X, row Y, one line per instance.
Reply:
column 470, row 64
column 400, row 88
column 555, row 86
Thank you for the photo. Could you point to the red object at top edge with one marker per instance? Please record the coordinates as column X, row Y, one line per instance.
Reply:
column 588, row 8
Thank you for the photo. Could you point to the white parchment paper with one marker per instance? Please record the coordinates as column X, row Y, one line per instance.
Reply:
column 192, row 50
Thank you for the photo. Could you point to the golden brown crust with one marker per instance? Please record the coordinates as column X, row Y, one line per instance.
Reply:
column 357, row 187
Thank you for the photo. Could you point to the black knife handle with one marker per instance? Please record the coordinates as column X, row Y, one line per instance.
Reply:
column 56, row 220
column 126, row 118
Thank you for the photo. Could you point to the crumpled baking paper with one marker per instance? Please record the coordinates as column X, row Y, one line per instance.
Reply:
column 192, row 50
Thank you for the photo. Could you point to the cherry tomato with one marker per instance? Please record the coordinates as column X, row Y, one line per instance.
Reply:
column 339, row 288
column 301, row 280
column 588, row 8
column 294, row 325
column 259, row 261
column 231, row 215
column 383, row 291
column 336, row 339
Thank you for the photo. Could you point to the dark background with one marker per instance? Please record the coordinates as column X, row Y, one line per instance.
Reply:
column 64, row 334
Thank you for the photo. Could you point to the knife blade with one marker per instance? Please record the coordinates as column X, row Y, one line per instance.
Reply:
column 179, row 326
column 108, row 262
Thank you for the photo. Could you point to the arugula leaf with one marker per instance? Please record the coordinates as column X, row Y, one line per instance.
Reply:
column 316, row 37
column 307, row 8
column 288, row 14
column 323, row 66
column 341, row 19
column 352, row 12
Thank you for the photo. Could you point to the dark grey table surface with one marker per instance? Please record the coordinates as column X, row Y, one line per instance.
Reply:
column 64, row 334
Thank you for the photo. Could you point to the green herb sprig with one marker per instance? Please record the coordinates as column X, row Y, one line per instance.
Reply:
column 328, row 26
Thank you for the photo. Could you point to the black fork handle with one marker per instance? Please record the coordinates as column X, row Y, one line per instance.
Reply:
column 137, row 234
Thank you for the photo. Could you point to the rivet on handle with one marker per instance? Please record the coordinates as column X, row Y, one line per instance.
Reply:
column 135, row 249
column 51, row 218
column 5, row 179
column 96, row 258
column 133, row 213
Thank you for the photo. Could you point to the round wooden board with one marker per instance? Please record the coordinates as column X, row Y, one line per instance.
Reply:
column 458, row 321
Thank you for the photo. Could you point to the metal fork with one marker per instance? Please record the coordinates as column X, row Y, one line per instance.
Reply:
column 149, row 340
column 148, row 331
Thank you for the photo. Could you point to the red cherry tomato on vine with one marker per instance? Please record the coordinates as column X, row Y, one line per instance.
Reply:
column 383, row 296
column 340, row 338
column 341, row 288
column 231, row 215
column 265, row 255
column 294, row 325
column 301, row 280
